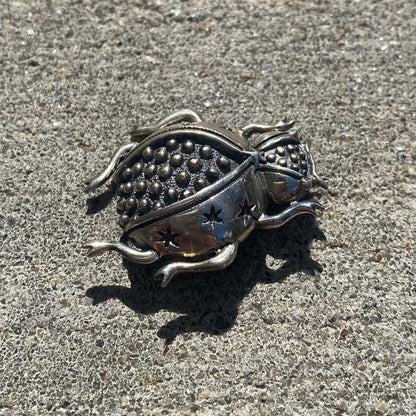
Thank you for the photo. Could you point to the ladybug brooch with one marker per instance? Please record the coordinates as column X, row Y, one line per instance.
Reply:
column 193, row 190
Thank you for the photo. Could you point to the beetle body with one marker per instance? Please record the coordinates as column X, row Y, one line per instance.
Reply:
column 188, row 188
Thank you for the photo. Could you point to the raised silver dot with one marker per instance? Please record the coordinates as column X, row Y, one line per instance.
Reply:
column 294, row 166
column 121, row 205
column 171, row 144
column 120, row 189
column 137, row 168
column 271, row 157
column 291, row 148
column 124, row 219
column 165, row 172
column 155, row 188
column 150, row 170
column 206, row 152
column 303, row 164
column 194, row 164
column 280, row 150
column 185, row 194
column 182, row 178
column 171, row 194
column 140, row 186
column 143, row 205
column 131, row 203
column 224, row 163
column 161, row 155
column 294, row 157
column 157, row 205
column 282, row 162
column 188, row 146
column 176, row 160
column 302, row 155
column 212, row 174
column 147, row 153
column 128, row 188
column 127, row 173
column 200, row 183
column 135, row 216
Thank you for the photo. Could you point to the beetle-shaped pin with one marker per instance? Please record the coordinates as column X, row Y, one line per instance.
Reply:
column 194, row 190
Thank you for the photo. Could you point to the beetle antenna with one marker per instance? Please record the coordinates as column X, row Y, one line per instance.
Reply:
column 251, row 129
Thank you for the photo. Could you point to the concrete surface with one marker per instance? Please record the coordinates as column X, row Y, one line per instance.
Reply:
column 315, row 319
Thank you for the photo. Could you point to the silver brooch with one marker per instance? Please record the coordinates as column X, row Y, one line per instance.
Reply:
column 194, row 190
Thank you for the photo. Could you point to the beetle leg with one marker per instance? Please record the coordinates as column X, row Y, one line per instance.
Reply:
column 316, row 180
column 276, row 221
column 114, row 162
column 247, row 131
column 222, row 259
column 135, row 255
column 182, row 116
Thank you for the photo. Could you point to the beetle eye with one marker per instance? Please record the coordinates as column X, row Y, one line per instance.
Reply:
column 305, row 184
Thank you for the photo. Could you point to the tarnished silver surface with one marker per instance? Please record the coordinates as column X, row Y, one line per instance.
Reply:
column 193, row 189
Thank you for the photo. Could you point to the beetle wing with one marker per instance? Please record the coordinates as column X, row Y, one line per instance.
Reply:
column 174, row 164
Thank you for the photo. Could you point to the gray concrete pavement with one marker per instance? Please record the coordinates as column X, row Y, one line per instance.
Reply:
column 317, row 318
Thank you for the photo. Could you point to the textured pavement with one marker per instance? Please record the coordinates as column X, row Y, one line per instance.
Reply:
column 317, row 318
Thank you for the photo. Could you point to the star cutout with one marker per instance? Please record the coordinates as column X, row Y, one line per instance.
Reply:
column 213, row 216
column 246, row 211
column 169, row 238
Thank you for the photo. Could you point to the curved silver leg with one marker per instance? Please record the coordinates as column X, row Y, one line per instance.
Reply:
column 182, row 116
column 247, row 131
column 316, row 180
column 221, row 260
column 133, row 254
column 115, row 160
column 276, row 221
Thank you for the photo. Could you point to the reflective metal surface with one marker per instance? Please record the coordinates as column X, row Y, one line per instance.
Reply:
column 195, row 190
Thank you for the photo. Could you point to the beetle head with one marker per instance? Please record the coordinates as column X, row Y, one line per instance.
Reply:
column 286, row 166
